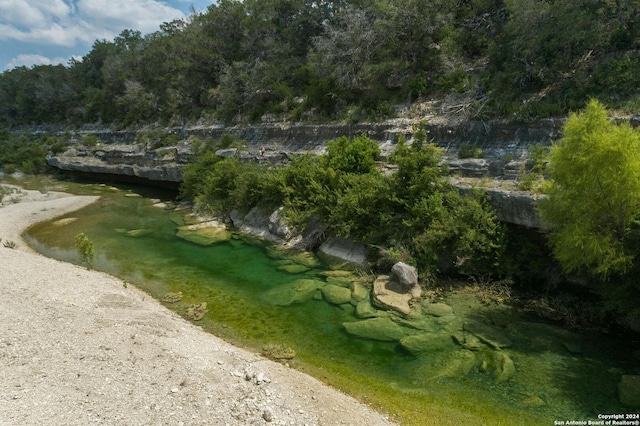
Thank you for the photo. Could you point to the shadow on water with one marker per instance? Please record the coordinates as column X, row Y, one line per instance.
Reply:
column 558, row 374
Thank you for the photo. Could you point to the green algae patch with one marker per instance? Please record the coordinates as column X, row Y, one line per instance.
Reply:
column 383, row 329
column 204, row 234
column 298, row 291
column 136, row 233
column 293, row 268
column 336, row 295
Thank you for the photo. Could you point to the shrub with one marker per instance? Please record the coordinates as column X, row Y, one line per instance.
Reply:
column 86, row 250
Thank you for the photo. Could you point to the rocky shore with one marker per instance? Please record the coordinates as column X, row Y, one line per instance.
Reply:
column 79, row 347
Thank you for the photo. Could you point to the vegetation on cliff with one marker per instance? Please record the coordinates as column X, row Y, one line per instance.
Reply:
column 345, row 59
column 413, row 214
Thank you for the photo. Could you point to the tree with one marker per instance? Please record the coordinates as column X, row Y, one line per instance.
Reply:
column 594, row 196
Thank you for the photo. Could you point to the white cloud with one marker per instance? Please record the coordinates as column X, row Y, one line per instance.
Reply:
column 29, row 60
column 63, row 23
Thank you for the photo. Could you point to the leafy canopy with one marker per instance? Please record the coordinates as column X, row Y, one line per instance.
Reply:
column 594, row 198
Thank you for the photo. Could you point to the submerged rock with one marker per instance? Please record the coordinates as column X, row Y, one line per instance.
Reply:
column 358, row 292
column 298, row 291
column 456, row 364
column 437, row 309
column 629, row 391
column 504, row 368
column 364, row 309
column 336, row 295
column 138, row 232
column 293, row 268
column 172, row 297
column 487, row 334
column 426, row 343
column 389, row 294
column 204, row 234
column 383, row 329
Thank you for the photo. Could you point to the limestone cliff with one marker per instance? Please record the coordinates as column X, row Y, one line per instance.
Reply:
column 504, row 146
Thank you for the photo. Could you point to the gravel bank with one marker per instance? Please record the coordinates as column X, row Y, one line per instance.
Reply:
column 78, row 348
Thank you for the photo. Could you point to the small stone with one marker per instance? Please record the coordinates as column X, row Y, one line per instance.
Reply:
column 175, row 390
column 267, row 415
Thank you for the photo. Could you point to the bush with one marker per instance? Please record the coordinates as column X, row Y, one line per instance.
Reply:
column 85, row 249
column 468, row 151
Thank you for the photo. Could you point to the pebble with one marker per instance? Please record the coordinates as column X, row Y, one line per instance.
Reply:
column 174, row 390
column 267, row 415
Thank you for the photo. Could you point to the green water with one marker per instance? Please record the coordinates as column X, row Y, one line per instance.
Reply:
column 232, row 277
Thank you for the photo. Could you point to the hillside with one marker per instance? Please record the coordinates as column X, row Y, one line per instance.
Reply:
column 344, row 61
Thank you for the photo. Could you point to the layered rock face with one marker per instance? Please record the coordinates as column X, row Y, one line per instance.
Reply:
column 503, row 145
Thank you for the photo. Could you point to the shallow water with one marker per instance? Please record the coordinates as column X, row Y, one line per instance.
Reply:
column 550, row 383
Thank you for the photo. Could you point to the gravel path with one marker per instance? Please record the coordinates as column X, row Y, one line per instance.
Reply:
column 77, row 348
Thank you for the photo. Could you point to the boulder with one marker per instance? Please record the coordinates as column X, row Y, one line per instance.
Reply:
column 298, row 291
column 389, row 294
column 489, row 335
column 344, row 250
column 383, row 329
column 407, row 275
column 278, row 226
column 426, row 343
column 336, row 295
column 629, row 391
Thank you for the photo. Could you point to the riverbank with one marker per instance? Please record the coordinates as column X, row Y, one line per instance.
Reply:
column 78, row 346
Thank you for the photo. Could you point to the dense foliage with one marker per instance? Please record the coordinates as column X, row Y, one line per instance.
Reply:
column 413, row 215
column 594, row 203
column 319, row 60
column 26, row 152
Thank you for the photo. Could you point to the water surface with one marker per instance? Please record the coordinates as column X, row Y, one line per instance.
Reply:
column 551, row 383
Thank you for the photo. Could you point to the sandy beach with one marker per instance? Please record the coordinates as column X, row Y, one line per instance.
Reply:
column 78, row 348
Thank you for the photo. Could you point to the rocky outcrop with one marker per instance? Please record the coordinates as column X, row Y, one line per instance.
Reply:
column 118, row 154
column 162, row 165
column 345, row 250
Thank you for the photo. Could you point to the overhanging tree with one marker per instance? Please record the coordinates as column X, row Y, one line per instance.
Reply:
column 594, row 196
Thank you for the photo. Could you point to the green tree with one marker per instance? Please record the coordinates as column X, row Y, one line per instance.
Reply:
column 594, row 196
column 352, row 155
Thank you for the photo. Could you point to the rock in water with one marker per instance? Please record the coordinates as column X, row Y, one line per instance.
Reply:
column 505, row 369
column 365, row 310
column 437, row 309
column 391, row 295
column 382, row 329
column 427, row 343
column 298, row 291
column 336, row 295
column 489, row 335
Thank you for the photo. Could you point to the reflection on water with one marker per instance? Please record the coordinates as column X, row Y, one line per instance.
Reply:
column 558, row 375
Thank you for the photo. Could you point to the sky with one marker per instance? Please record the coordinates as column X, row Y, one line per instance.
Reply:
column 36, row 32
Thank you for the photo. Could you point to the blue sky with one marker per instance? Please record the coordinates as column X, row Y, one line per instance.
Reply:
column 34, row 32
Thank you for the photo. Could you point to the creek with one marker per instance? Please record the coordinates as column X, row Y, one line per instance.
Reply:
column 559, row 374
